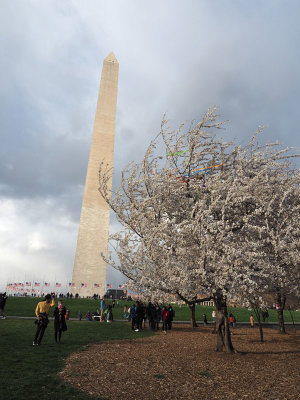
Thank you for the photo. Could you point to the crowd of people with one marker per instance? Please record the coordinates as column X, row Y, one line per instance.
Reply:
column 139, row 312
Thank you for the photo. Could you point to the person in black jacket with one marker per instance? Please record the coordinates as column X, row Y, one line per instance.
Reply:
column 59, row 320
column 150, row 314
column 139, row 312
column 132, row 316
column 3, row 298
column 157, row 316
column 171, row 315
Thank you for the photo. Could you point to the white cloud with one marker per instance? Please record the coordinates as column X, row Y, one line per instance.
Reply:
column 37, row 240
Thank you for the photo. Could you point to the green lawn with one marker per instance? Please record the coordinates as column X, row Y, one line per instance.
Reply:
column 25, row 306
column 29, row 372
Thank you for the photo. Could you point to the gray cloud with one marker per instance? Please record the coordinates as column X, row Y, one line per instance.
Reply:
column 179, row 57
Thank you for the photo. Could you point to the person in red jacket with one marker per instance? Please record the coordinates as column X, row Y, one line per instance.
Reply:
column 231, row 319
column 165, row 316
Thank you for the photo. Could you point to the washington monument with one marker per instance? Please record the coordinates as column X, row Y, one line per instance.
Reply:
column 89, row 273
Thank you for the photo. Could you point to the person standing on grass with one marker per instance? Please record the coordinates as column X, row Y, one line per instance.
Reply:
column 150, row 314
column 42, row 312
column 234, row 321
column 165, row 316
column 213, row 314
column 59, row 320
column 157, row 316
column 267, row 315
column 231, row 319
column 133, row 317
column 3, row 298
column 139, row 314
column 125, row 312
column 109, row 317
column 251, row 321
column 170, row 316
column 102, row 308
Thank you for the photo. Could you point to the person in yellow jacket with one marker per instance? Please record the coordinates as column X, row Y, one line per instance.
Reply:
column 41, row 312
column 251, row 321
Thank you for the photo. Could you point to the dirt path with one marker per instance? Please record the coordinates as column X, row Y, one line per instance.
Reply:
column 183, row 365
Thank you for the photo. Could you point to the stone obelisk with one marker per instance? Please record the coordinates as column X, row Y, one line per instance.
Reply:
column 89, row 268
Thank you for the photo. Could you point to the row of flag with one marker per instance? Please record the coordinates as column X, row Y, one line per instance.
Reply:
column 21, row 285
column 25, row 290
column 29, row 284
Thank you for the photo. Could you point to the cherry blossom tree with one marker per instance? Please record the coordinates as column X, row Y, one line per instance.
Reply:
column 187, row 213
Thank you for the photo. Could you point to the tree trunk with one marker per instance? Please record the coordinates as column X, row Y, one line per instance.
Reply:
column 281, row 298
column 257, row 313
column 222, row 326
column 193, row 316
column 281, row 320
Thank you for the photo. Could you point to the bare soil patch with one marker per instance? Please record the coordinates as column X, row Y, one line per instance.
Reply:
column 182, row 364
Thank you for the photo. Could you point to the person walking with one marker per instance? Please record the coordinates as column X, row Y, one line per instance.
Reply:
column 60, row 325
column 42, row 312
column 251, row 321
column 204, row 319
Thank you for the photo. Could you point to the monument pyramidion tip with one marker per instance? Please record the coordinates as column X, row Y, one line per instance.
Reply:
column 111, row 58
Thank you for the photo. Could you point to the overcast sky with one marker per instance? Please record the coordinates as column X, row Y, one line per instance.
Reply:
column 178, row 57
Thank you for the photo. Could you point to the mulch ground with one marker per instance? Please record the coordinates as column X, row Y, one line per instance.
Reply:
column 182, row 364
